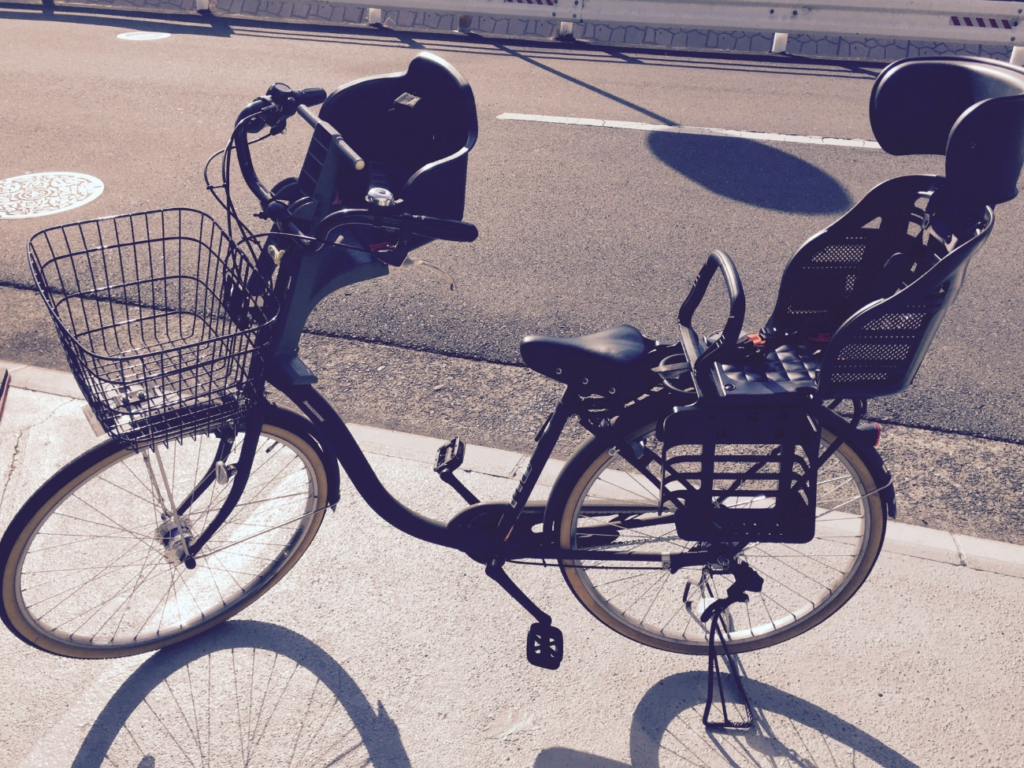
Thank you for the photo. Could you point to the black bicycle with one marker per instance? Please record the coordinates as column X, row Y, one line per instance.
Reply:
column 723, row 496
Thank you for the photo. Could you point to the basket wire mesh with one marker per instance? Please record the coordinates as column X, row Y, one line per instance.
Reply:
column 163, row 320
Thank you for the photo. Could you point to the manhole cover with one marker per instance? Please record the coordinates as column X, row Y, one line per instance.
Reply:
column 40, row 194
column 143, row 35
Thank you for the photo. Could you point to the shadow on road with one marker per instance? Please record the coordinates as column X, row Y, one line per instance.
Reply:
column 576, row 81
column 246, row 693
column 667, row 731
column 750, row 172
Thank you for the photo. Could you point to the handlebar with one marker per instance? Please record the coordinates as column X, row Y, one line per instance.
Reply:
column 405, row 224
column 273, row 111
column 280, row 103
column 252, row 115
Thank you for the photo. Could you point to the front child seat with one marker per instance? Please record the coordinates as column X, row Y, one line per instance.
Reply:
column 414, row 129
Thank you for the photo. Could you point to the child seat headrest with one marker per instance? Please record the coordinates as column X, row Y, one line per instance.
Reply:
column 971, row 110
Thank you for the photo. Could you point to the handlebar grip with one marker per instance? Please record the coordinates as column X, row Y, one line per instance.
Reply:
column 348, row 153
column 309, row 97
column 442, row 229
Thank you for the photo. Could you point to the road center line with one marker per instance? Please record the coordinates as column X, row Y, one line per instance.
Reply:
column 692, row 130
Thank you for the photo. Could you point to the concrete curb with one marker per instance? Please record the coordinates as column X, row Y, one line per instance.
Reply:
column 911, row 540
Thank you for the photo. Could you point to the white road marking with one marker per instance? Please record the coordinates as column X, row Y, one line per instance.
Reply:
column 143, row 36
column 692, row 130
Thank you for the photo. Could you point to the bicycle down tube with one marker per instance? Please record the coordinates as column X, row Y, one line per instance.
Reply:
column 340, row 442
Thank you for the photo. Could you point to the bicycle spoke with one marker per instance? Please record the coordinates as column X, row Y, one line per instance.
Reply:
column 71, row 591
column 664, row 581
column 798, row 578
column 207, row 552
column 620, row 579
column 645, row 491
column 95, row 568
column 101, row 604
column 114, row 525
column 122, row 489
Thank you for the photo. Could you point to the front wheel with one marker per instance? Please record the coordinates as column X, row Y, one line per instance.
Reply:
column 803, row 583
column 91, row 563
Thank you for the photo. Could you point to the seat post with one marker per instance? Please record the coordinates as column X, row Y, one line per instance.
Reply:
column 546, row 440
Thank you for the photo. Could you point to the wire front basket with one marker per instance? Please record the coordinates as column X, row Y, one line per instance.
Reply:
column 163, row 320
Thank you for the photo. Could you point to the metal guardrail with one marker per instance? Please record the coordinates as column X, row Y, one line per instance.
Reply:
column 994, row 23
column 989, row 22
column 964, row 21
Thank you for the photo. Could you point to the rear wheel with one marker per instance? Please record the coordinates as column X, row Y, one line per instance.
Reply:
column 803, row 583
column 91, row 568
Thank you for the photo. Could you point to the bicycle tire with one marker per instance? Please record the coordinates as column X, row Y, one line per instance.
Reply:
column 843, row 552
column 85, row 565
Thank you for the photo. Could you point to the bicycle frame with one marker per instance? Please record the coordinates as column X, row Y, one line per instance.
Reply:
column 500, row 545
column 307, row 271
column 305, row 278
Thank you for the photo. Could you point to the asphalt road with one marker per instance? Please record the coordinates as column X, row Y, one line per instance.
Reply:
column 581, row 227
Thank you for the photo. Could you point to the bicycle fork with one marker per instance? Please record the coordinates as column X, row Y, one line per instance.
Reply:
column 217, row 471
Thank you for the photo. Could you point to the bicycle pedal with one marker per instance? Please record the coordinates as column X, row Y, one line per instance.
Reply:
column 544, row 646
column 450, row 456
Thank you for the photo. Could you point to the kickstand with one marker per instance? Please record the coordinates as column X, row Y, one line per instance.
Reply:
column 716, row 681
column 747, row 579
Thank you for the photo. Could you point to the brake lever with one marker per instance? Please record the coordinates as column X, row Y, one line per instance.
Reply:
column 403, row 234
column 252, row 116
column 279, row 127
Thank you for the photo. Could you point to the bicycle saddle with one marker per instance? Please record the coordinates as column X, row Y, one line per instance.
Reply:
column 605, row 363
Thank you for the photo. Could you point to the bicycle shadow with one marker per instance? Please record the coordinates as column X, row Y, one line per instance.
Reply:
column 789, row 731
column 751, row 172
column 247, row 692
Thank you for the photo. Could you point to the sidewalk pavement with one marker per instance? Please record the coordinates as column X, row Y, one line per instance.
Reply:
column 381, row 650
